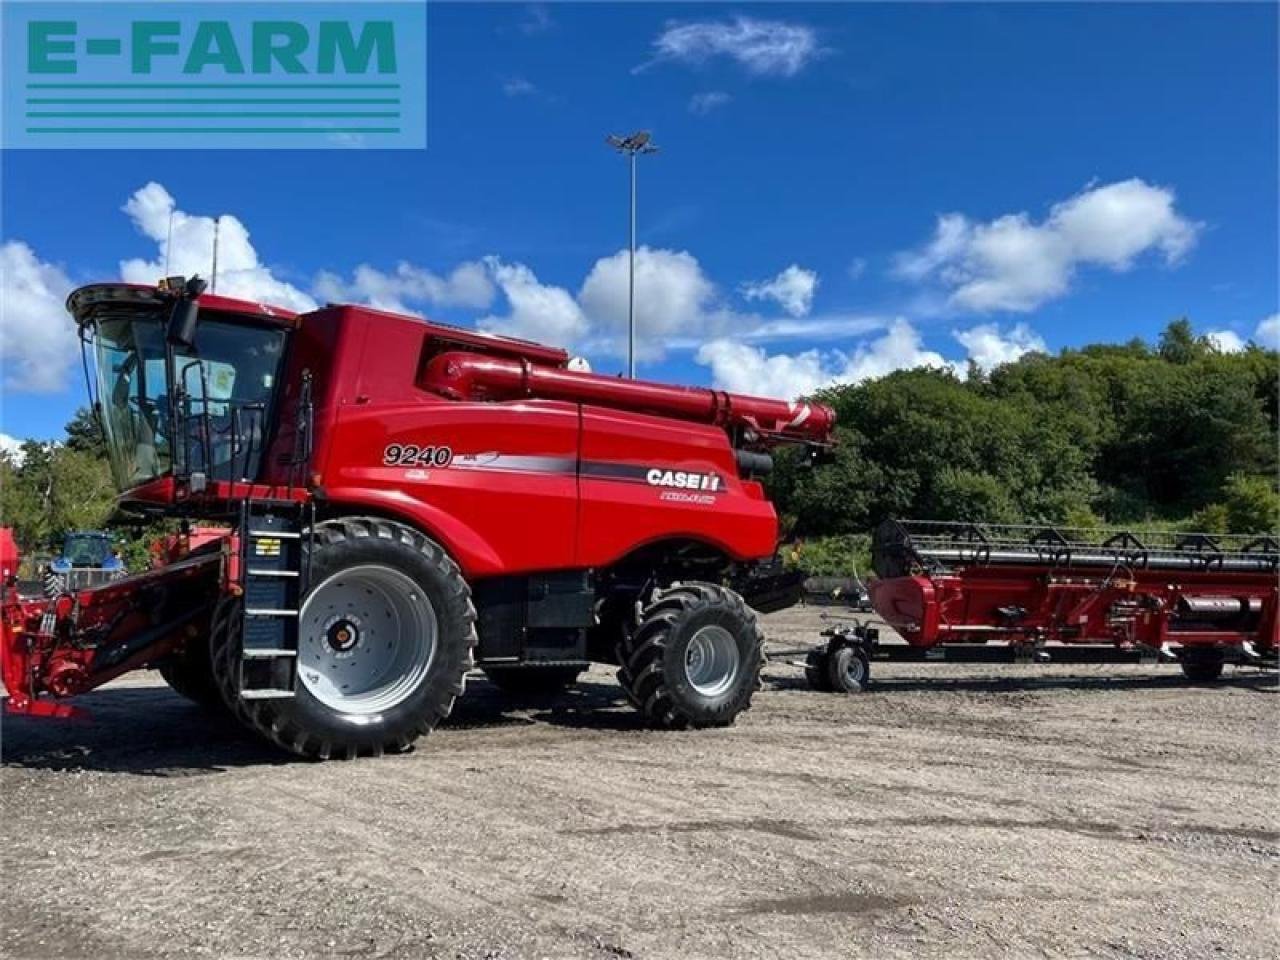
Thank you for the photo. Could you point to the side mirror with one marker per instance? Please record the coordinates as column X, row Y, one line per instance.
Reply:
column 182, row 321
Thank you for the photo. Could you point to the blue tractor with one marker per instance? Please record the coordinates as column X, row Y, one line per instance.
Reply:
column 88, row 559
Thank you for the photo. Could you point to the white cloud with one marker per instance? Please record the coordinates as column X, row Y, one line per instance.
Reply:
column 674, row 298
column 467, row 285
column 988, row 347
column 701, row 104
column 792, row 290
column 37, row 336
column 1013, row 263
column 829, row 326
column 518, row 87
column 1226, row 341
column 537, row 19
column 762, row 47
column 240, row 273
column 857, row 267
column 1268, row 332
column 677, row 308
column 12, row 447
column 539, row 312
column 742, row 368
column 899, row 348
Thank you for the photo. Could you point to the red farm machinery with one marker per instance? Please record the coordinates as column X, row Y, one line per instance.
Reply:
column 404, row 500
column 987, row 593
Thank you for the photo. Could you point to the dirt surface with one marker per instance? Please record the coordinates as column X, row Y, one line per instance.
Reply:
column 953, row 811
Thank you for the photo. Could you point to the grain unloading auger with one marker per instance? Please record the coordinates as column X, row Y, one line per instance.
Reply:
column 404, row 500
column 987, row 592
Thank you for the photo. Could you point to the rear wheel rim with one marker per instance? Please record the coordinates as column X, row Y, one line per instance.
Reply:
column 712, row 661
column 367, row 638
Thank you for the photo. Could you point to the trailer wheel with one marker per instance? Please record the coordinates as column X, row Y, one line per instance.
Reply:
column 385, row 638
column 816, row 671
column 692, row 658
column 1202, row 669
column 848, row 669
column 532, row 681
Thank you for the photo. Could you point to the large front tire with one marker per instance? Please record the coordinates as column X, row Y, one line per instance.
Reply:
column 692, row 658
column 385, row 638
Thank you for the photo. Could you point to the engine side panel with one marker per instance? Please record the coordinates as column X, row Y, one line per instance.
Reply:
column 649, row 478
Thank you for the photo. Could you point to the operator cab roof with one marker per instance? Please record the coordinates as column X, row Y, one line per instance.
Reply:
column 89, row 302
column 85, row 303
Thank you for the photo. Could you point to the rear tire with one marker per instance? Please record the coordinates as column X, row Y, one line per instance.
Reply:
column 354, row 613
column 533, row 681
column 1202, row 669
column 692, row 658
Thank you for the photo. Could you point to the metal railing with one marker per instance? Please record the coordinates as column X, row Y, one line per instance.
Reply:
column 902, row 546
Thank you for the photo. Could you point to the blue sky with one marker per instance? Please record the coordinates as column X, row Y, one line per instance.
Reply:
column 841, row 190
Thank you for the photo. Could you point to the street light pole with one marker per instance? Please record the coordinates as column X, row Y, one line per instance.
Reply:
column 631, row 280
column 633, row 145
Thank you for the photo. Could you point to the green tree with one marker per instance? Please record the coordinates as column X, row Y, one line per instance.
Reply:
column 84, row 434
column 51, row 489
column 1179, row 344
column 1251, row 504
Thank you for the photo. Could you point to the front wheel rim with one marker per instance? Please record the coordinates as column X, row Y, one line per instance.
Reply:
column 367, row 637
column 854, row 673
column 712, row 661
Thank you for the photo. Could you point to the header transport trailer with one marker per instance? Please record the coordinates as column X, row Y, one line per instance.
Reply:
column 986, row 592
column 405, row 499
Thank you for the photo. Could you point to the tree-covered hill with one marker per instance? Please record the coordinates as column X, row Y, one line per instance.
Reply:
column 1177, row 435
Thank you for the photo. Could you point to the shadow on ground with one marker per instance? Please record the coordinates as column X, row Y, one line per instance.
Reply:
column 151, row 731
column 1260, row 681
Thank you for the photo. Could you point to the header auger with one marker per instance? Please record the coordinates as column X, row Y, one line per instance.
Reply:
column 403, row 500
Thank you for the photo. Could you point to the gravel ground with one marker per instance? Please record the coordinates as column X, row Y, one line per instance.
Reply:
column 953, row 811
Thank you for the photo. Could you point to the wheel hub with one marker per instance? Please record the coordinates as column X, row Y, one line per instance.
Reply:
column 712, row 661
column 343, row 634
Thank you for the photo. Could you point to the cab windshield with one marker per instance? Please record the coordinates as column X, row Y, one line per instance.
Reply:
column 86, row 549
column 216, row 423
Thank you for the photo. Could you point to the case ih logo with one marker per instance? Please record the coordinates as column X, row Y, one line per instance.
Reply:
column 682, row 480
column 196, row 75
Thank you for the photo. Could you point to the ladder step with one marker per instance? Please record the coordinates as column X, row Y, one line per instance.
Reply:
column 274, row 535
column 259, row 572
column 268, row 612
column 266, row 694
column 266, row 653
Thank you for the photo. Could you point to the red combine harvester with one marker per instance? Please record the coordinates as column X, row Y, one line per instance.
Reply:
column 981, row 592
column 405, row 499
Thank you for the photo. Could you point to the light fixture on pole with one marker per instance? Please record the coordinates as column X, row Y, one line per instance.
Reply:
column 632, row 145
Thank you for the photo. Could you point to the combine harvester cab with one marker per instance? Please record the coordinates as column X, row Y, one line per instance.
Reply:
column 404, row 500
column 985, row 592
